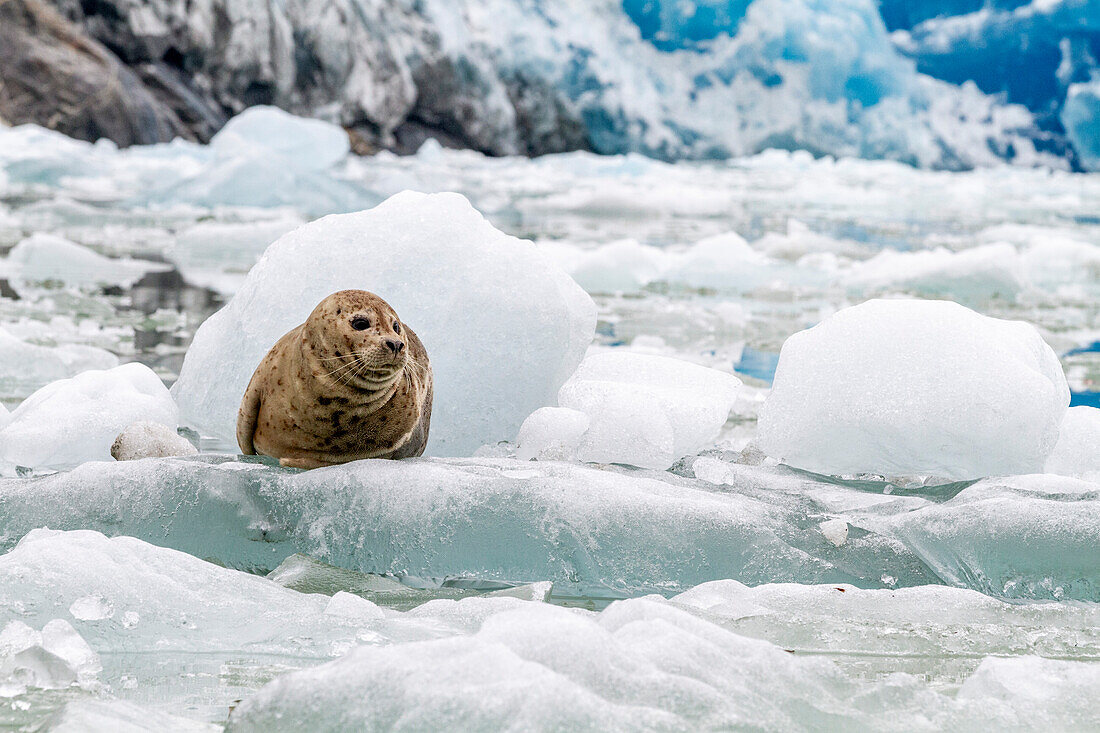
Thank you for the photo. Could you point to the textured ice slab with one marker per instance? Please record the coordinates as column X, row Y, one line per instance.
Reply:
column 503, row 327
column 634, row 409
column 153, row 598
column 75, row 420
column 24, row 366
column 922, row 623
column 624, row 531
column 724, row 262
column 1020, row 537
column 503, row 520
column 644, row 664
column 899, row 387
column 116, row 716
column 1077, row 452
column 46, row 258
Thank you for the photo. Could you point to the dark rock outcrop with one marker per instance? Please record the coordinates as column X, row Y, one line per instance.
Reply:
column 54, row 75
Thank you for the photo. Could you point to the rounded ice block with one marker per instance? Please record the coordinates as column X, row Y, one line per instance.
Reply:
column 913, row 387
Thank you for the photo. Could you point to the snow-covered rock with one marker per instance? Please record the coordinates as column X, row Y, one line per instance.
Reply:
column 1077, row 452
column 71, row 421
column 503, row 327
column 145, row 439
column 903, row 388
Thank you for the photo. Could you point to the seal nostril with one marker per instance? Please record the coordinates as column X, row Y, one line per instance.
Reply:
column 394, row 346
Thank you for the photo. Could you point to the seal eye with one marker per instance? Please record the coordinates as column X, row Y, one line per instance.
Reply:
column 396, row 327
column 359, row 323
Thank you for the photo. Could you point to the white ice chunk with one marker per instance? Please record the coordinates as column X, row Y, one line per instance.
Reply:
column 352, row 607
column 551, row 434
column 91, row 608
column 643, row 410
column 1077, row 452
column 45, row 258
column 51, row 659
column 75, row 420
column 300, row 143
column 503, row 327
column 835, row 531
column 147, row 439
column 902, row 388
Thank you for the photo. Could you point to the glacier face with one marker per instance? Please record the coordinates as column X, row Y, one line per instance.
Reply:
column 672, row 80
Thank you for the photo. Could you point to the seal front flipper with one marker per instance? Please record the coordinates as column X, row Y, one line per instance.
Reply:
column 246, row 417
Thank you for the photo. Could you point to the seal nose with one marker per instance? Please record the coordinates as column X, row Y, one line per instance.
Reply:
column 394, row 346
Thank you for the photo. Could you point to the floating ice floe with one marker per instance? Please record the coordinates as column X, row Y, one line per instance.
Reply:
column 724, row 262
column 708, row 658
column 24, row 366
column 631, row 408
column 1077, row 452
column 267, row 157
column 71, row 421
column 518, row 521
column 46, row 258
column 905, row 387
column 646, row 664
column 504, row 328
column 218, row 255
column 971, row 275
column 145, row 439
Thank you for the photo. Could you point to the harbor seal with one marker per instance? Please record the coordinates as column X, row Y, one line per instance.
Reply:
column 351, row 382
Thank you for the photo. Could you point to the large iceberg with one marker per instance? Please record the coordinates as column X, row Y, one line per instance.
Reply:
column 909, row 388
column 71, row 421
column 503, row 327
